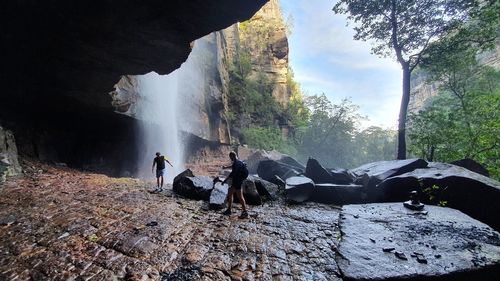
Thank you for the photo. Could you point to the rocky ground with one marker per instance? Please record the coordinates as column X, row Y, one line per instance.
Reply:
column 62, row 224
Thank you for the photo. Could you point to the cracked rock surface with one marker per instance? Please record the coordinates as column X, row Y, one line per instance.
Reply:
column 61, row 224
column 389, row 242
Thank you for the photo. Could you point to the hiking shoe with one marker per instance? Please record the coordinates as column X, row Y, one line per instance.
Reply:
column 227, row 212
column 243, row 215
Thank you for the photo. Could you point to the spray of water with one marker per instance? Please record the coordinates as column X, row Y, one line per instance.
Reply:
column 169, row 104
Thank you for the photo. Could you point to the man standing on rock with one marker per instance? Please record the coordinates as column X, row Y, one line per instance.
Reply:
column 239, row 173
column 159, row 161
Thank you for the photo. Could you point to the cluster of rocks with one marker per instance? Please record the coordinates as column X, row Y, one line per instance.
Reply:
column 255, row 190
column 388, row 181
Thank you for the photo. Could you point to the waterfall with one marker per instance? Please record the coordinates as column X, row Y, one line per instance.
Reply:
column 169, row 105
column 159, row 132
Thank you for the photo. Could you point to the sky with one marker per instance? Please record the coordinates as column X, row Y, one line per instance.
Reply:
column 326, row 59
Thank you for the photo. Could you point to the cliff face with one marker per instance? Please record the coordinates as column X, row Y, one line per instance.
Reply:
column 421, row 89
column 264, row 37
column 60, row 59
column 204, row 78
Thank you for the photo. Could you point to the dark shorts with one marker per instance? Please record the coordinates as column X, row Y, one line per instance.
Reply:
column 236, row 184
column 160, row 173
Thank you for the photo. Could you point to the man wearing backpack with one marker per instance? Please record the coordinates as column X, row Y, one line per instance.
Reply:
column 238, row 174
column 159, row 162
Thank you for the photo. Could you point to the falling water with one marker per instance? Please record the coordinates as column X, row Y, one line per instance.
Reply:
column 168, row 105
column 160, row 132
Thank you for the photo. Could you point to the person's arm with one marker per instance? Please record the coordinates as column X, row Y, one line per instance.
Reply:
column 228, row 177
column 169, row 163
column 154, row 163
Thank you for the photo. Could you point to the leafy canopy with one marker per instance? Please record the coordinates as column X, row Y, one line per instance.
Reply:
column 404, row 26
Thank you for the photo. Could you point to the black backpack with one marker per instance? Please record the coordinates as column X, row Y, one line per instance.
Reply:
column 243, row 171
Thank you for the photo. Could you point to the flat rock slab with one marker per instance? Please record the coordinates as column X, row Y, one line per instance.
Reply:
column 62, row 224
column 389, row 242
column 462, row 189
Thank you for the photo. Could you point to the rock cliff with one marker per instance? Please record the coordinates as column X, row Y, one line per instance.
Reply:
column 203, row 80
column 421, row 89
column 60, row 60
column 264, row 37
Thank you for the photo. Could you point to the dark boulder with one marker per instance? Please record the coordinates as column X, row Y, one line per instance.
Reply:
column 342, row 176
column 390, row 242
column 218, row 196
column 292, row 162
column 267, row 190
column 372, row 174
column 268, row 169
column 254, row 160
column 317, row 173
column 299, row 189
column 469, row 192
column 329, row 193
column 197, row 188
column 185, row 173
column 472, row 165
column 250, row 193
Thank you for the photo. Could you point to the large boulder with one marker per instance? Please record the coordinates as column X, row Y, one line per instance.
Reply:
column 218, row 196
column 185, row 173
column 268, row 169
column 472, row 165
column 472, row 193
column 299, row 189
column 371, row 174
column 197, row 188
column 342, row 176
column 339, row 194
column 254, row 160
column 9, row 164
column 317, row 173
column 267, row 190
column 250, row 193
column 389, row 242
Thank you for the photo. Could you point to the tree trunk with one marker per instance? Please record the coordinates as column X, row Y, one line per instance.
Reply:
column 403, row 111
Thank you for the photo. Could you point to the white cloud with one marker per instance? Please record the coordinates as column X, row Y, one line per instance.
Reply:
column 326, row 58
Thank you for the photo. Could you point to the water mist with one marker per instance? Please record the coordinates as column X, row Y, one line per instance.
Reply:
column 168, row 106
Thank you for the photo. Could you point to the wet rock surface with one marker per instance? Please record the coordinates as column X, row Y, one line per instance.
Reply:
column 197, row 187
column 66, row 225
column 388, row 241
column 470, row 192
column 338, row 194
column 299, row 189
column 317, row 173
column 218, row 196
column 371, row 174
column 269, row 169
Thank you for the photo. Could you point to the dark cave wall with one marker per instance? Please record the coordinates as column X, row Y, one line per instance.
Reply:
column 60, row 59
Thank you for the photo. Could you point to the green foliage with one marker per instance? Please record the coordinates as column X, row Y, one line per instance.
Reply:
column 434, row 195
column 463, row 120
column 375, row 144
column 330, row 131
column 406, row 29
column 269, row 138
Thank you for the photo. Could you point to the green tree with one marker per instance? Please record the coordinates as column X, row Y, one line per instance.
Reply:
column 463, row 120
column 330, row 132
column 375, row 144
column 404, row 28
